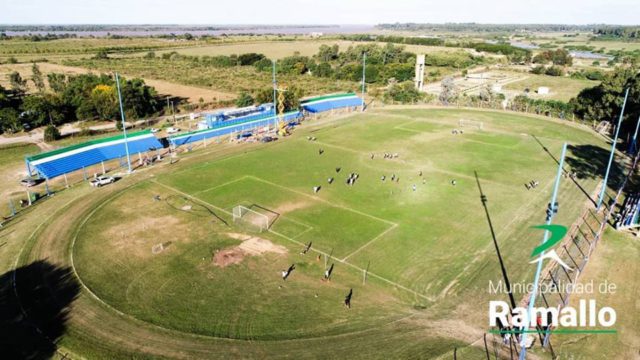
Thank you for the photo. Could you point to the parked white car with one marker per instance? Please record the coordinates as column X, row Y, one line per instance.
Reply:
column 102, row 180
column 172, row 130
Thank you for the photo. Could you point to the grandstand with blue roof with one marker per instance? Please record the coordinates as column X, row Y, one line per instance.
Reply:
column 240, row 124
column 58, row 162
column 323, row 103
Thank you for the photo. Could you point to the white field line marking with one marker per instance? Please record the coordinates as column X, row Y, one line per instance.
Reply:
column 302, row 233
column 426, row 167
column 324, row 201
column 313, row 249
column 220, row 185
column 370, row 242
column 191, row 197
column 369, row 273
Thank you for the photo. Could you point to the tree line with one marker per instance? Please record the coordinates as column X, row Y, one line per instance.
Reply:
column 70, row 98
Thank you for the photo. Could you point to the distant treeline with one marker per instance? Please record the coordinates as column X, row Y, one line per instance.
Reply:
column 155, row 28
column 462, row 27
column 619, row 32
column 514, row 54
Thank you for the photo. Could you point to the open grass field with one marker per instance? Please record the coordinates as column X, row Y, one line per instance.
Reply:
column 163, row 87
column 428, row 252
column 221, row 80
column 280, row 49
column 560, row 87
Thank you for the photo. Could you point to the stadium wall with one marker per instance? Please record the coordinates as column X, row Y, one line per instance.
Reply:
column 330, row 102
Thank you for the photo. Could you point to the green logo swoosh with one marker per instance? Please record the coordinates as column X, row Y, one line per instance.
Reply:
column 557, row 233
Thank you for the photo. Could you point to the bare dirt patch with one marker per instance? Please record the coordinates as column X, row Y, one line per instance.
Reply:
column 250, row 246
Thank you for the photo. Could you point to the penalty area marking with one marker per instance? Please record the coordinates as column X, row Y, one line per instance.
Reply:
column 369, row 273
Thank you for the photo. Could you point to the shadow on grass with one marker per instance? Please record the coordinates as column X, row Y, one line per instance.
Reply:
column 34, row 312
column 483, row 200
column 575, row 181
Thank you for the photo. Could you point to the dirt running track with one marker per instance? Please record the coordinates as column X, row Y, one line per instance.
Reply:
column 96, row 330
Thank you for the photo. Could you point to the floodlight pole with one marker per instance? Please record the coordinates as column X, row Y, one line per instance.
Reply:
column 364, row 66
column 613, row 151
column 536, row 281
column 275, row 89
column 124, row 126
column 634, row 145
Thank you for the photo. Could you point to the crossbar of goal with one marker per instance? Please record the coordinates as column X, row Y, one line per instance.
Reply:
column 470, row 123
column 246, row 216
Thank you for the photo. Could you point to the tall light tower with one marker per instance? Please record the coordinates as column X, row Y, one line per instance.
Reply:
column 364, row 67
column 275, row 89
column 613, row 152
column 124, row 127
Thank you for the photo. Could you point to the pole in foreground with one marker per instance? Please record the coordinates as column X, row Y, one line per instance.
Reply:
column 364, row 66
column 536, row 281
column 633, row 147
column 613, row 152
column 275, row 88
column 124, row 127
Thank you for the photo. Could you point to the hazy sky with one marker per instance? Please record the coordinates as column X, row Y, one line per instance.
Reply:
column 317, row 11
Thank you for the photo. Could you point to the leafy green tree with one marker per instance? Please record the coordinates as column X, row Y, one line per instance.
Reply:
column 17, row 82
column 57, row 81
column 244, row 100
column 554, row 71
column 9, row 120
column 51, row 133
column 604, row 101
column 263, row 65
column 101, row 55
column 37, row 77
column 404, row 93
column 323, row 70
column 328, row 53
column 249, row 58
column 448, row 92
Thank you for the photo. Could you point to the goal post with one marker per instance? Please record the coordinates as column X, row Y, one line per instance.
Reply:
column 251, row 219
column 470, row 123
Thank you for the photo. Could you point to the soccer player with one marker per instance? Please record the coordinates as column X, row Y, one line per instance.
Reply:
column 286, row 273
column 347, row 299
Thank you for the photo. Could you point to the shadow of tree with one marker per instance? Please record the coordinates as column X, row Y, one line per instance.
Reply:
column 34, row 312
column 590, row 162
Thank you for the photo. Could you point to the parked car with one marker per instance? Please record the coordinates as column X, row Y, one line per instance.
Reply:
column 172, row 130
column 154, row 130
column 102, row 180
column 29, row 181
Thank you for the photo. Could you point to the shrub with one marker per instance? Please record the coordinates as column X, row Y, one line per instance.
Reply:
column 51, row 133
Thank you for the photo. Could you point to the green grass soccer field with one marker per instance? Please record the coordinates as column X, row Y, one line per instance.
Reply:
column 423, row 241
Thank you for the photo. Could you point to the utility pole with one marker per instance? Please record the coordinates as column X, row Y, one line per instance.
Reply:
column 124, row 126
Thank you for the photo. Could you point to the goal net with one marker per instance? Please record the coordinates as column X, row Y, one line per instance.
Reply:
column 470, row 123
column 250, row 219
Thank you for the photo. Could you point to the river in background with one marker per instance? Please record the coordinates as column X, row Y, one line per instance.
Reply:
column 205, row 30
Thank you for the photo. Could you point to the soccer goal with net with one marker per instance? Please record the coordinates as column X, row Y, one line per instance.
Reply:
column 470, row 123
column 250, row 219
